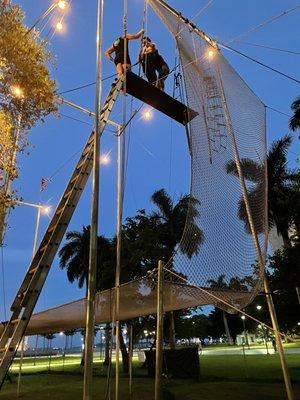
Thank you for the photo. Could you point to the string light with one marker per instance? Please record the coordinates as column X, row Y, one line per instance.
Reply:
column 17, row 92
column 59, row 26
column 147, row 115
column 210, row 54
column 105, row 159
column 62, row 4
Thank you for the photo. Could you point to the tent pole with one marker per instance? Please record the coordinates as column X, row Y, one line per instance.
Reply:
column 90, row 301
column 159, row 332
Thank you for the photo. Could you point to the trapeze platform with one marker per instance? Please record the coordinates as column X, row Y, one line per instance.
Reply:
column 156, row 98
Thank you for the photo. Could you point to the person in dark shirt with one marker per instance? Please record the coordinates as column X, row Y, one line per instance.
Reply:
column 154, row 66
column 120, row 47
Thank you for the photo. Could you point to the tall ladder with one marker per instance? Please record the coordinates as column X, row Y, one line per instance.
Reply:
column 214, row 116
column 35, row 277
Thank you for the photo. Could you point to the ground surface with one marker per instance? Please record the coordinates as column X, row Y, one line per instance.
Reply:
column 222, row 377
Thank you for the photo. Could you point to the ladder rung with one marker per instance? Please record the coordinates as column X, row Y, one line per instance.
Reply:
column 15, row 321
column 32, row 270
column 51, row 229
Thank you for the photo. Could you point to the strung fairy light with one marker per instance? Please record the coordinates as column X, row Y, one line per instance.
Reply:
column 59, row 26
column 210, row 54
column 104, row 159
column 147, row 115
column 17, row 92
column 62, row 4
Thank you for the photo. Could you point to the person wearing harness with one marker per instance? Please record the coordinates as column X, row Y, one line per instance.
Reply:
column 120, row 48
column 152, row 63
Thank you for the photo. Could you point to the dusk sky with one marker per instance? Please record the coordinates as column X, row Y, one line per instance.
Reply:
column 158, row 156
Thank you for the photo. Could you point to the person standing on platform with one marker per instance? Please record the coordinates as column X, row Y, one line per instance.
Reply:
column 120, row 48
column 154, row 66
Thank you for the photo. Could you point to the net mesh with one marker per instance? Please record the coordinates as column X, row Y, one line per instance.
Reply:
column 217, row 259
column 218, row 246
column 137, row 298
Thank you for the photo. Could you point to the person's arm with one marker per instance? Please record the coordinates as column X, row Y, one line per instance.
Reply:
column 135, row 35
column 108, row 53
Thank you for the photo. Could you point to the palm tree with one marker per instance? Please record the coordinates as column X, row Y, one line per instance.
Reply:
column 281, row 181
column 221, row 284
column 74, row 257
column 295, row 119
column 172, row 221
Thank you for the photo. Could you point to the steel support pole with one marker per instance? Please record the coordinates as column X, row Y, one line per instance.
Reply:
column 120, row 191
column 20, row 366
column 159, row 332
column 130, row 359
column 37, row 224
column 90, row 301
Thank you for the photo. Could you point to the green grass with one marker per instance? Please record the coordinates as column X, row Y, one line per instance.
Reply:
column 222, row 377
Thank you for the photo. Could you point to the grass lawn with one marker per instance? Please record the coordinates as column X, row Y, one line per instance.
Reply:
column 222, row 377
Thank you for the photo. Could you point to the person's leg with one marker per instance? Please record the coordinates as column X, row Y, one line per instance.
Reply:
column 151, row 74
column 120, row 69
column 163, row 73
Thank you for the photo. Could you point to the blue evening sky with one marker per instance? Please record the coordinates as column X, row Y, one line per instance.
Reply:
column 157, row 149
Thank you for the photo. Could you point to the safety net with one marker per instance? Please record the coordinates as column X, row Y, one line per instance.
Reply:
column 218, row 248
column 218, row 261
column 137, row 298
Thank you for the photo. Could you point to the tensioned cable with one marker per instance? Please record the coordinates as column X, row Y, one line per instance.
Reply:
column 264, row 23
column 269, row 47
column 259, row 62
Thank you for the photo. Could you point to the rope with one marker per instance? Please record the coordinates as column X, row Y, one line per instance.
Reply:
column 270, row 48
column 144, row 26
column 260, row 63
column 264, row 23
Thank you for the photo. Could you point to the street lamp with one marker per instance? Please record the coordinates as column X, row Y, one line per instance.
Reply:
column 245, row 333
column 258, row 307
column 41, row 209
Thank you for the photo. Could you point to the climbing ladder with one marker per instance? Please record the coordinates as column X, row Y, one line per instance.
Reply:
column 30, row 289
column 215, row 121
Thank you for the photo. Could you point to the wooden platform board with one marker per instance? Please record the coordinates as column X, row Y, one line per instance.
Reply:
column 158, row 99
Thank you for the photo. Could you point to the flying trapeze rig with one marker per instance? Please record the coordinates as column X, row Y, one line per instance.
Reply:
column 220, row 110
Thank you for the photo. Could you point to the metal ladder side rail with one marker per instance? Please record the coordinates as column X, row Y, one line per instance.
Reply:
column 36, row 262
column 37, row 281
column 64, row 199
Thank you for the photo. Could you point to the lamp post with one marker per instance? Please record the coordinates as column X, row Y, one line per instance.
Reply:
column 245, row 332
column 259, row 307
column 41, row 209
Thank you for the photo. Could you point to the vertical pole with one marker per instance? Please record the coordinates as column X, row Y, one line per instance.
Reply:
column 284, row 367
column 36, row 231
column 130, row 359
column 159, row 332
column 298, row 293
column 90, row 301
column 120, row 192
column 280, row 350
column 20, row 366
column 35, row 350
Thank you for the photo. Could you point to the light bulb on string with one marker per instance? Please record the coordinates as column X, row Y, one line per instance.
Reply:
column 17, row 92
column 147, row 115
column 62, row 4
column 59, row 26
